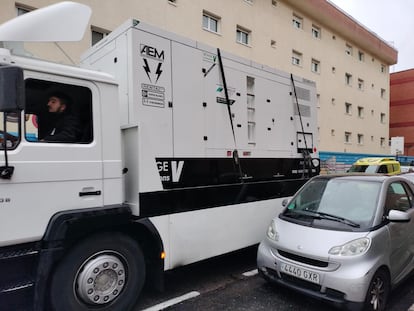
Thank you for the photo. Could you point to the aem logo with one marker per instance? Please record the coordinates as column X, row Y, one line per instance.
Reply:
column 151, row 52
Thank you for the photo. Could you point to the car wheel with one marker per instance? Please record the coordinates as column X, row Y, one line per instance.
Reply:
column 378, row 291
column 102, row 273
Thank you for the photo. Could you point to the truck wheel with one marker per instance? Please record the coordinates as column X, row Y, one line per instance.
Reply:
column 101, row 273
column 378, row 291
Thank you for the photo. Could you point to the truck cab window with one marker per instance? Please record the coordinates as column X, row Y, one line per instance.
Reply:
column 9, row 129
column 57, row 112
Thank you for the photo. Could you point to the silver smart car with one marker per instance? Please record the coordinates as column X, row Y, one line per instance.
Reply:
column 346, row 239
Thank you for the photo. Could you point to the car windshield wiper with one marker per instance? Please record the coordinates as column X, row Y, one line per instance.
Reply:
column 321, row 215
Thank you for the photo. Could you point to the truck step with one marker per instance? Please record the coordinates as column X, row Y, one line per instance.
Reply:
column 17, row 296
column 12, row 254
column 18, row 265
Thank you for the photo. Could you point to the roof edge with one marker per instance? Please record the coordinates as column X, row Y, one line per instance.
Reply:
column 334, row 18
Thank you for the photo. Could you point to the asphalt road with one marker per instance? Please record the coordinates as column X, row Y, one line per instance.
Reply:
column 219, row 284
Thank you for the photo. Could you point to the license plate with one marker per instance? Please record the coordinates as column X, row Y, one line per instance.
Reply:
column 300, row 273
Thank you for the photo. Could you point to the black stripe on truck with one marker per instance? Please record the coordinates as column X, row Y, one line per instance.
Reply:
column 193, row 184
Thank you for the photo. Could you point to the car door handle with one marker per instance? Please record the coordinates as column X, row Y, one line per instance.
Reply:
column 85, row 193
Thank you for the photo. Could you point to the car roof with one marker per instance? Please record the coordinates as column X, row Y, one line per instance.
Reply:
column 374, row 161
column 356, row 176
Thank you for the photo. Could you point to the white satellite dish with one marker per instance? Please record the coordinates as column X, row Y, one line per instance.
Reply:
column 64, row 21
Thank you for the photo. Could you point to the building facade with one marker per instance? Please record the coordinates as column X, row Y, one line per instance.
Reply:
column 313, row 39
column 402, row 107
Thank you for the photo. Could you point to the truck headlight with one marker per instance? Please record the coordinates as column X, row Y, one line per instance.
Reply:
column 355, row 247
column 272, row 232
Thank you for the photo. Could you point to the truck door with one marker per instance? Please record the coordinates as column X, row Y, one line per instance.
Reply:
column 50, row 175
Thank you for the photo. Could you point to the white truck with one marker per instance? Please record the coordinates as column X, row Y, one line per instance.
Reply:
column 186, row 153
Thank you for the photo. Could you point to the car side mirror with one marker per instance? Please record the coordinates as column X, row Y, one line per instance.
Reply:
column 398, row 216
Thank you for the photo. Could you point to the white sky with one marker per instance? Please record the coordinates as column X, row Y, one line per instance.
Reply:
column 393, row 21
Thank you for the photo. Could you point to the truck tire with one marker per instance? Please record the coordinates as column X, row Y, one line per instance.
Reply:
column 101, row 273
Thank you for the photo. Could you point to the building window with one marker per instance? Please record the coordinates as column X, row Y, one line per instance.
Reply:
column 274, row 2
column 348, row 79
column 382, row 142
column 382, row 117
column 332, row 132
column 97, row 34
column 296, row 58
column 382, row 93
column 360, row 139
column 273, row 43
column 210, row 22
column 383, row 68
column 243, row 36
column 297, row 22
column 333, row 101
column 348, row 49
column 361, row 56
column 348, row 108
column 333, row 69
column 360, row 112
column 315, row 66
column 316, row 32
column 348, row 137
column 360, row 84
column 172, row 1
column 20, row 10
column 249, row 1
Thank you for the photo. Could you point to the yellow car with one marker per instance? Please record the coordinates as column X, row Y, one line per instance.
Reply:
column 388, row 166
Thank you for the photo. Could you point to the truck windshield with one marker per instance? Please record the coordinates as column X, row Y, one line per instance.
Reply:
column 9, row 129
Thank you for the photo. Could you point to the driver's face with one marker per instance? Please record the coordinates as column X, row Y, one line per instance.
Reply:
column 55, row 105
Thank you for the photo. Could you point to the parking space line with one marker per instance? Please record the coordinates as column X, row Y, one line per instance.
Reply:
column 173, row 301
column 250, row 273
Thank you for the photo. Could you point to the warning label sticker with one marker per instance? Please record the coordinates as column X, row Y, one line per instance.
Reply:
column 153, row 95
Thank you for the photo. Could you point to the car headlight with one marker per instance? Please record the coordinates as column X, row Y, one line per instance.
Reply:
column 272, row 232
column 355, row 247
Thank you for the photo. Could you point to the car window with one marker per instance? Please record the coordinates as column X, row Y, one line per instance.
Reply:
column 358, row 168
column 398, row 197
column 383, row 169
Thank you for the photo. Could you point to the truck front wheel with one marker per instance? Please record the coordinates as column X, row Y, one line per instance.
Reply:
column 101, row 273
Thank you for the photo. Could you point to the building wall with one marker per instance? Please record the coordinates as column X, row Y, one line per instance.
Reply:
column 271, row 21
column 402, row 108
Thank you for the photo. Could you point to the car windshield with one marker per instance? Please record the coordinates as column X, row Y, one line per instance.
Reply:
column 340, row 203
column 364, row 168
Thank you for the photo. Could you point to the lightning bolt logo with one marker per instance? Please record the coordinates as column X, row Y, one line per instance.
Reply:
column 147, row 69
column 158, row 72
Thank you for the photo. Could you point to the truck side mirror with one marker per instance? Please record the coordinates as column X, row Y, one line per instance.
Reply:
column 11, row 89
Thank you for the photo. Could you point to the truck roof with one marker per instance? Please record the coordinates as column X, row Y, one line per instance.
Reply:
column 50, row 67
